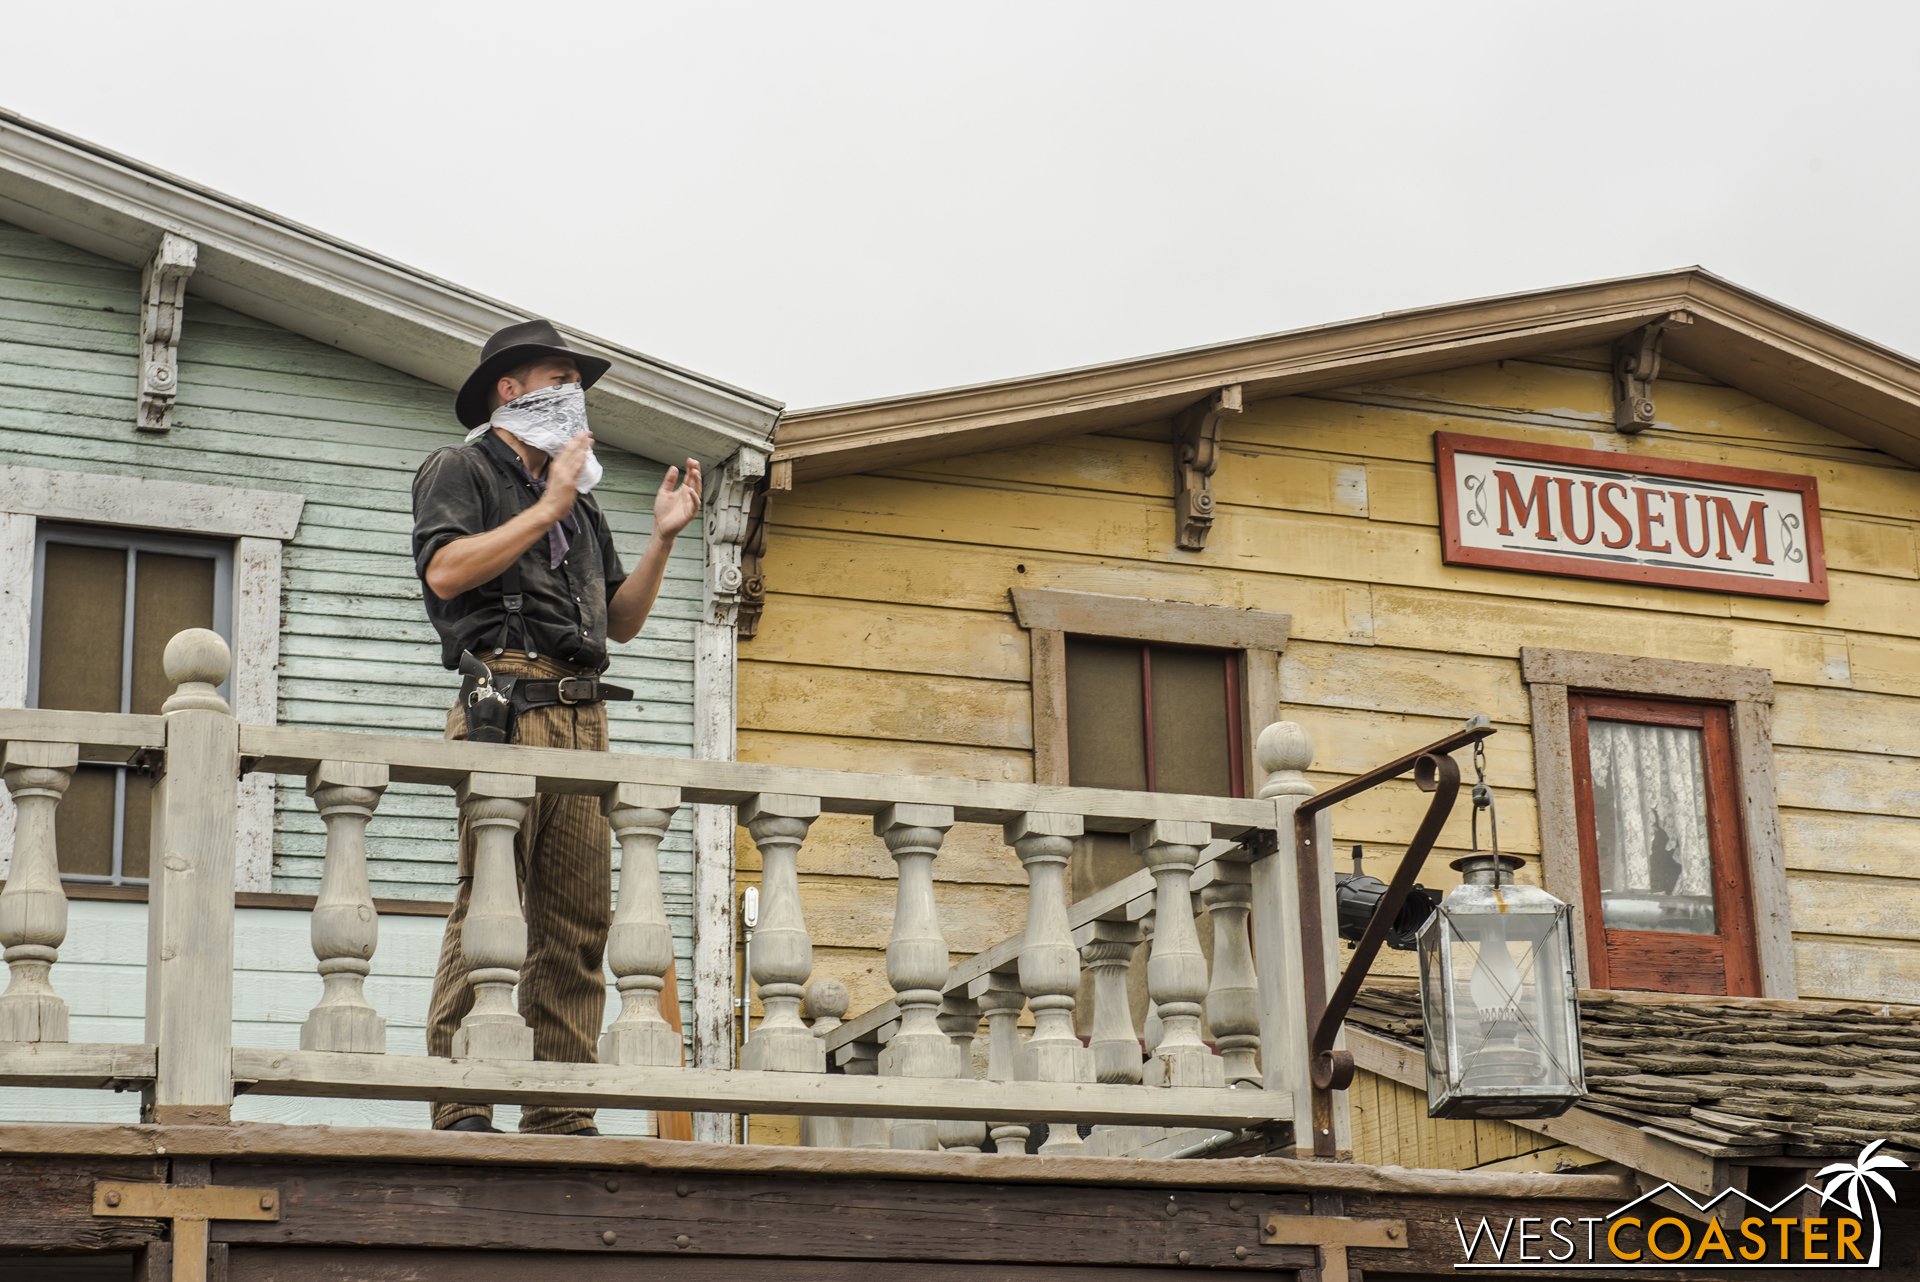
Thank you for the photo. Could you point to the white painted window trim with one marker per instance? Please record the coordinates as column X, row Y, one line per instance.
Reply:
column 259, row 521
column 1549, row 674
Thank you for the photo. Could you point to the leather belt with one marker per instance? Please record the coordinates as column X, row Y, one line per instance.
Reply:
column 533, row 693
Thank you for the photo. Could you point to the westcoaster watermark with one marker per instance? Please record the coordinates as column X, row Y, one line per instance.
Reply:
column 1638, row 1235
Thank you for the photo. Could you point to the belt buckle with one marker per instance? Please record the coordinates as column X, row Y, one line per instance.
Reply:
column 560, row 690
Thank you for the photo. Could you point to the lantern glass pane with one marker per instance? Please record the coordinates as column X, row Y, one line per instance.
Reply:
column 1650, row 826
column 1511, row 1032
column 1434, row 1014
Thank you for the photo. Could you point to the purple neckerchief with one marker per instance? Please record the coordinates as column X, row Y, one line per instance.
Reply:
column 557, row 541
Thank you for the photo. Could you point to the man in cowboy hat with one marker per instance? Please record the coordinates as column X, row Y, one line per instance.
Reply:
column 519, row 569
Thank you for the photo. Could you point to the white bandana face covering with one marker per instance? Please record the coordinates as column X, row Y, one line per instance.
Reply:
column 546, row 420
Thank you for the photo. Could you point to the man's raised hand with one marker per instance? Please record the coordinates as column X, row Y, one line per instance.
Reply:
column 674, row 507
column 564, row 473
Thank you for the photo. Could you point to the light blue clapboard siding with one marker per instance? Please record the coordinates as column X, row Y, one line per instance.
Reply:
column 263, row 408
column 102, row 975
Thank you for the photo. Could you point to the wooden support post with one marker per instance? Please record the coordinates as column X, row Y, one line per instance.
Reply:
column 1233, row 997
column 1285, row 752
column 1050, row 965
column 959, row 1019
column 826, row 1005
column 190, row 896
column 493, row 940
column 345, row 930
column 640, row 941
column 1177, row 969
column 1001, row 1001
column 190, row 1209
column 782, row 949
column 33, row 907
column 916, row 958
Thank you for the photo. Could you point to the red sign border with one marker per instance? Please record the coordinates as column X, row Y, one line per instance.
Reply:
column 1453, row 552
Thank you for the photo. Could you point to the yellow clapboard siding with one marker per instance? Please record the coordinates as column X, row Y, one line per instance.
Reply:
column 926, row 709
column 885, row 756
column 1869, row 547
column 1889, row 664
column 846, row 912
column 1847, row 720
column 871, row 568
column 1844, row 782
column 1857, row 970
column 1417, row 682
column 890, row 638
column 1353, row 742
column 1391, row 812
column 1829, row 904
column 845, row 845
column 1874, row 845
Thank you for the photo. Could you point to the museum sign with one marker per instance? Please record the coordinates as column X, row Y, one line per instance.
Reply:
column 1593, row 514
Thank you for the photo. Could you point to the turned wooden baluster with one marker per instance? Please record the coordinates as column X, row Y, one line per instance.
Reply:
column 1049, row 964
column 33, row 907
column 640, row 941
column 1107, row 948
column 1233, row 998
column 493, row 939
column 1177, row 969
column 826, row 1004
column 916, row 959
column 345, row 929
column 862, row 1059
column 782, row 949
column 1001, row 1000
column 959, row 1019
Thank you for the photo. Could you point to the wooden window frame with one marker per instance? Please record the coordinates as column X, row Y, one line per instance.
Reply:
column 260, row 522
column 1732, row 884
column 1049, row 615
column 1747, row 693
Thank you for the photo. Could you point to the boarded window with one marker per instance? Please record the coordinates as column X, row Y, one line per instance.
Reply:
column 1148, row 718
column 1663, row 859
column 105, row 604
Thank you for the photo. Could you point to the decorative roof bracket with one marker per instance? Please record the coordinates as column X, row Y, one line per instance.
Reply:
column 163, row 283
column 1636, row 363
column 738, row 494
column 1196, row 457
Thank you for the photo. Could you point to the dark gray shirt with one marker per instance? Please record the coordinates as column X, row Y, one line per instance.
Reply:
column 469, row 489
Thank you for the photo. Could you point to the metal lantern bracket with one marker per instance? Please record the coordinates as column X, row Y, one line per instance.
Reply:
column 1434, row 771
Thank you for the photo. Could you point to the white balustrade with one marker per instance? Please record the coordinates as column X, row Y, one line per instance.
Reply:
column 1177, row 969
column 1233, row 996
column 33, row 907
column 1049, row 964
column 959, row 1019
column 862, row 1059
column 1001, row 1000
column 827, row 1001
column 916, row 958
column 782, row 949
column 493, row 939
column 640, row 941
column 1107, row 948
column 345, row 929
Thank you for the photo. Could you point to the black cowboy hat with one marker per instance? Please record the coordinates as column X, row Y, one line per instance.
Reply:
column 507, row 351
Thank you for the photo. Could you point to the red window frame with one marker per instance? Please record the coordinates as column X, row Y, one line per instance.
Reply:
column 1726, row 964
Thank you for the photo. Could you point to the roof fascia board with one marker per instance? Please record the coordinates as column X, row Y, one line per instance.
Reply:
column 334, row 293
column 1741, row 338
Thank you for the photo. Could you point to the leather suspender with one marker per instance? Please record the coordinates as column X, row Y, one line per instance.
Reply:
column 512, row 600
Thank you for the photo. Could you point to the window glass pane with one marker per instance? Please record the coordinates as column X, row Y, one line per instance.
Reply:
column 82, row 628
column 83, row 823
column 170, row 595
column 139, row 817
column 1190, row 751
column 1650, row 822
column 1106, row 715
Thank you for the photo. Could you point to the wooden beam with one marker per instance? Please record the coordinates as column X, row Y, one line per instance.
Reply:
column 1615, row 1141
column 87, row 1064
column 351, row 1076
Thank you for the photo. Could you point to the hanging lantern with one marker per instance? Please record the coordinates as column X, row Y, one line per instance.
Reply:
column 1501, row 1002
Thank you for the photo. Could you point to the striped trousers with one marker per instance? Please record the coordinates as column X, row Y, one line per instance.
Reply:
column 563, row 857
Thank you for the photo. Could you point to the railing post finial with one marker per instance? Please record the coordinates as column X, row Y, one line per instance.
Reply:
column 197, row 661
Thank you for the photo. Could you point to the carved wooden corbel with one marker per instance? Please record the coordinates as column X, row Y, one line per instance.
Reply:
column 737, row 485
column 753, row 583
column 164, row 284
column 1196, row 457
column 1636, row 363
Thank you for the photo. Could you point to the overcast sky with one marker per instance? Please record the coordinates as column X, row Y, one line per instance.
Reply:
column 831, row 202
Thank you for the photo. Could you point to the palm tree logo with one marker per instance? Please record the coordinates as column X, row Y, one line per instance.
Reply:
column 1853, row 1181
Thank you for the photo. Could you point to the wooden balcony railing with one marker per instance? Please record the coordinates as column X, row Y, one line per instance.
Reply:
column 1226, row 1045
